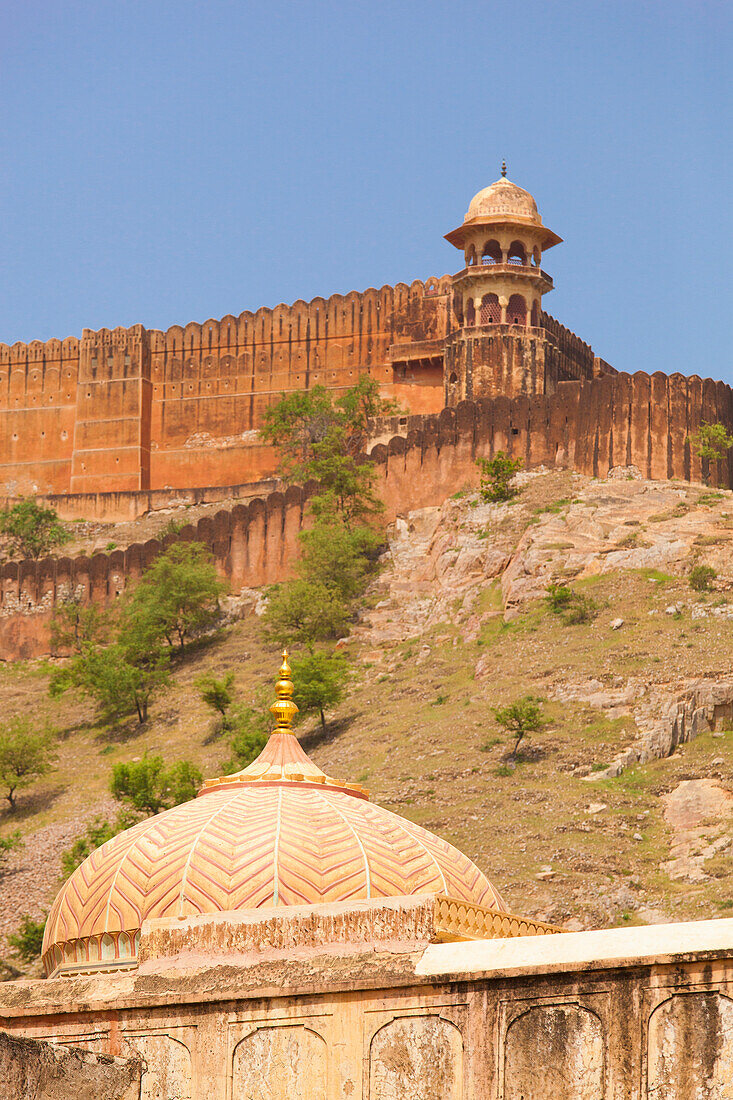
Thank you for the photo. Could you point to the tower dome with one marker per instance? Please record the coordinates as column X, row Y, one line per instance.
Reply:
column 503, row 199
column 281, row 832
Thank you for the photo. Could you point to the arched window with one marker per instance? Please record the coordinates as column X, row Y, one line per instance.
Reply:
column 453, row 378
column 490, row 310
column 517, row 254
column 535, row 315
column 471, row 256
column 516, row 311
column 470, row 312
column 491, row 253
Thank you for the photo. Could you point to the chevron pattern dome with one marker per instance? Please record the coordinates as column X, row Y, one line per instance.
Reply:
column 279, row 833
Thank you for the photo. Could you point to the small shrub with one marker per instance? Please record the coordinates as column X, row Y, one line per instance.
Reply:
column 572, row 607
column 701, row 578
column 28, row 940
column 504, row 770
column 497, row 475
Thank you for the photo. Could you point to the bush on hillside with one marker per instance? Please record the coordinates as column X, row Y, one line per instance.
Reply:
column 572, row 607
column 149, row 787
column 28, row 940
column 701, row 577
column 497, row 476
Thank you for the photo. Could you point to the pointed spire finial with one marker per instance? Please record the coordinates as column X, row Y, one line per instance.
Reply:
column 503, row 168
column 284, row 709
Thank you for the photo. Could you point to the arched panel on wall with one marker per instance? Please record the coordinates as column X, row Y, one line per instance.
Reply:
column 280, row 1063
column 420, row 1057
column 167, row 1073
column 690, row 1048
column 554, row 1052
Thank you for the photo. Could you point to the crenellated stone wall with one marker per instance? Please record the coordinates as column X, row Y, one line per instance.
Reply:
column 590, row 426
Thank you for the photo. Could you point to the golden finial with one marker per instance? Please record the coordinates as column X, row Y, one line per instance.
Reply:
column 284, row 708
column 503, row 168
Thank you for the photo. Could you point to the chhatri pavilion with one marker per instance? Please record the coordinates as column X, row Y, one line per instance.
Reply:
column 281, row 937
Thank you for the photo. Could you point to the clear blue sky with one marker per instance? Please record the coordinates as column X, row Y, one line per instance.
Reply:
column 162, row 162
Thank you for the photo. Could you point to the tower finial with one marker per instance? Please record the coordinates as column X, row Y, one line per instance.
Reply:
column 284, row 708
column 503, row 168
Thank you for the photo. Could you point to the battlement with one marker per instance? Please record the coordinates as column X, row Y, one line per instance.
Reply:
column 590, row 426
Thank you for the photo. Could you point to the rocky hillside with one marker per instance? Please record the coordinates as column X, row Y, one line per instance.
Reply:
column 619, row 810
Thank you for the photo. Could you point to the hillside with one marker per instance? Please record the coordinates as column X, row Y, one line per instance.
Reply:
column 598, row 824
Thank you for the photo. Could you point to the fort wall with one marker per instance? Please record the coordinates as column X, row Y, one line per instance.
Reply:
column 591, row 426
column 135, row 410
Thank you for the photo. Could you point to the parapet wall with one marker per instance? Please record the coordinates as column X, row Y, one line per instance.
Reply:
column 590, row 426
column 136, row 409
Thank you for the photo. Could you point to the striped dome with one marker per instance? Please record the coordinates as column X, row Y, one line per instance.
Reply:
column 281, row 832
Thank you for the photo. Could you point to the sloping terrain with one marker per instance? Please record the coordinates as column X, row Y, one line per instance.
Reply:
column 618, row 811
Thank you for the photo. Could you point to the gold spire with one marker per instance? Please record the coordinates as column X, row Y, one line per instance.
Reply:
column 284, row 708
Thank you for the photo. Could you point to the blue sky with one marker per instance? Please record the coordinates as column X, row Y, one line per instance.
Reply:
column 162, row 162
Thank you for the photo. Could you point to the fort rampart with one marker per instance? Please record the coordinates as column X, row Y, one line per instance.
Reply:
column 591, row 426
column 136, row 409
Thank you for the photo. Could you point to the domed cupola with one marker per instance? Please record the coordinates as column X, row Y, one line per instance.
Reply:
column 502, row 238
column 279, row 833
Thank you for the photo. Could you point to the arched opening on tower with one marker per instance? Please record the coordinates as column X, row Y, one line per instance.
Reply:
column 516, row 311
column 470, row 312
column 491, row 253
column 490, row 310
column 471, row 256
column 517, row 254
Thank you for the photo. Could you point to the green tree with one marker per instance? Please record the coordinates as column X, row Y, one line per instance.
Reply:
column 320, row 680
column 26, row 753
column 294, row 424
column 322, row 440
column 121, row 678
column 302, row 611
column 31, row 530
column 712, row 441
column 28, row 940
column 217, row 694
column 177, row 596
column 75, row 625
column 339, row 557
column 497, row 476
column 149, row 786
column 520, row 718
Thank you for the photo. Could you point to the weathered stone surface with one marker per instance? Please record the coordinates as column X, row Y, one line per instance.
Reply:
column 32, row 1070
column 280, row 1063
column 690, row 1053
column 416, row 1056
column 566, row 1041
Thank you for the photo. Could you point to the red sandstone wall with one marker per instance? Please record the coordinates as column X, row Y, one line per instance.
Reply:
column 131, row 410
column 212, row 382
column 38, row 401
column 591, row 426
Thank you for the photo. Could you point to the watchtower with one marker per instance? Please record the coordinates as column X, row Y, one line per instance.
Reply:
column 497, row 344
